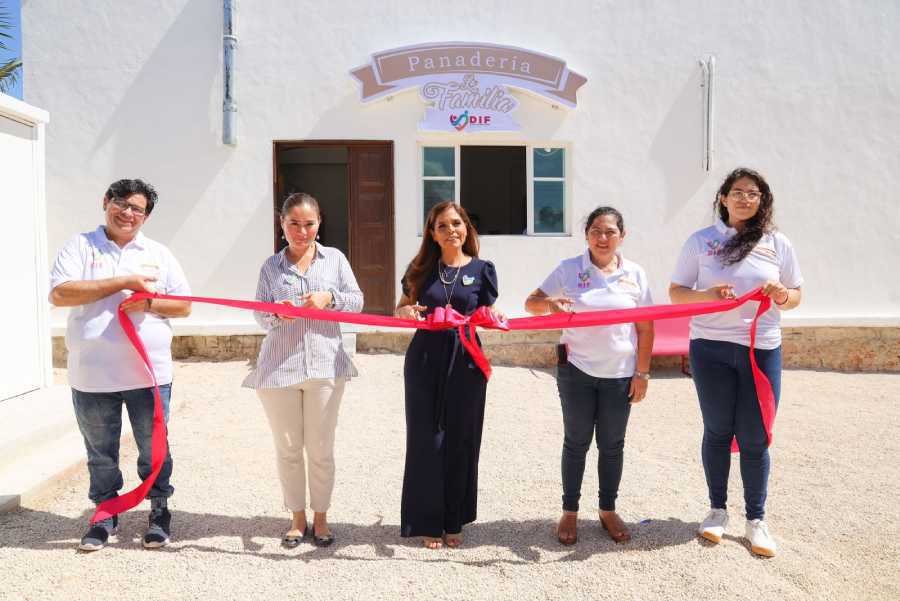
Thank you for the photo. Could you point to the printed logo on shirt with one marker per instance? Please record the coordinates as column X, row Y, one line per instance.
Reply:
column 714, row 248
column 584, row 279
column 96, row 259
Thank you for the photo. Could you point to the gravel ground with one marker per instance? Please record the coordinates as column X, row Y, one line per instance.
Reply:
column 832, row 504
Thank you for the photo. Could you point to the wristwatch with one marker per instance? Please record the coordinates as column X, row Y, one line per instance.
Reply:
column 331, row 305
column 643, row 375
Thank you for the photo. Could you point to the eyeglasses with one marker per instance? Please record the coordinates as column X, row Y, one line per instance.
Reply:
column 123, row 205
column 752, row 196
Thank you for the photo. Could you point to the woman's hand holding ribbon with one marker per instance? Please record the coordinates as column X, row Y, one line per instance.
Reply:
column 721, row 292
column 559, row 304
column 777, row 291
column 316, row 300
column 411, row 312
column 289, row 303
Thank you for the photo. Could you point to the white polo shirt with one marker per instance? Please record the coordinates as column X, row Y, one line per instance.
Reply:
column 699, row 267
column 101, row 358
column 600, row 351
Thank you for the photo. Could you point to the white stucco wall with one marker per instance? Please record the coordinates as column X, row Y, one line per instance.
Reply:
column 806, row 92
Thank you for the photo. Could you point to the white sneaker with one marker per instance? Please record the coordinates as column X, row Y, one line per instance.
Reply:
column 713, row 526
column 761, row 542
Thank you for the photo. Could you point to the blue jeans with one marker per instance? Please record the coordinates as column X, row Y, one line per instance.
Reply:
column 99, row 416
column 730, row 408
column 592, row 407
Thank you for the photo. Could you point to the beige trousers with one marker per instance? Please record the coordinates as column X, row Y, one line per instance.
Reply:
column 304, row 416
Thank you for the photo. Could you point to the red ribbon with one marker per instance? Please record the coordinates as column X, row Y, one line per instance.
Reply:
column 442, row 318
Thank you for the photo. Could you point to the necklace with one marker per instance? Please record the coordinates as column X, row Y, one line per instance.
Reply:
column 446, row 280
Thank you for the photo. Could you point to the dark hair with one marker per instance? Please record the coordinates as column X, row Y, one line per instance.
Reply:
column 599, row 212
column 298, row 199
column 740, row 245
column 429, row 251
column 128, row 187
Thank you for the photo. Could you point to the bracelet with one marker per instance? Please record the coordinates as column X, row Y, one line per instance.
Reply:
column 643, row 375
column 786, row 299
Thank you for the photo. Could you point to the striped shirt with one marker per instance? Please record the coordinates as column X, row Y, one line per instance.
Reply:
column 297, row 350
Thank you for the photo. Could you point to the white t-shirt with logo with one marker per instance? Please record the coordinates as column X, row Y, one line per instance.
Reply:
column 600, row 351
column 101, row 358
column 700, row 267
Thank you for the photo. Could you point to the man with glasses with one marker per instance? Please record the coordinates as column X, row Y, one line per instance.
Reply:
column 93, row 273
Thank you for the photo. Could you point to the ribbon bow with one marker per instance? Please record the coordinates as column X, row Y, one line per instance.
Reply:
column 445, row 318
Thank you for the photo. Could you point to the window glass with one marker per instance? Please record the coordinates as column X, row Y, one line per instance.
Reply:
column 438, row 162
column 549, row 207
column 548, row 162
column 436, row 191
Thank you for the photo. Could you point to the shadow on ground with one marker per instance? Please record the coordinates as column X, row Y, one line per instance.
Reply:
column 527, row 540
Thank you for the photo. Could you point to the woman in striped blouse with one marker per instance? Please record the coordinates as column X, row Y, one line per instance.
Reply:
column 302, row 367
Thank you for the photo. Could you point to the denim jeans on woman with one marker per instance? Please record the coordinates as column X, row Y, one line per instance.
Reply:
column 730, row 408
column 592, row 407
column 99, row 416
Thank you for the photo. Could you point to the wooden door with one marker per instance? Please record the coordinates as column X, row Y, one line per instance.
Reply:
column 372, row 223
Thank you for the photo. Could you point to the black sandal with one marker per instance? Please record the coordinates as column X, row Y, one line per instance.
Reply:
column 291, row 541
column 321, row 541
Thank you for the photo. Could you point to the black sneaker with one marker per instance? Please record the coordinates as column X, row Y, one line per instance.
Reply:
column 98, row 534
column 157, row 534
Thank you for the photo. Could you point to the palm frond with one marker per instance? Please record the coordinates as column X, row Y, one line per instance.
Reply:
column 11, row 70
column 5, row 23
column 9, row 74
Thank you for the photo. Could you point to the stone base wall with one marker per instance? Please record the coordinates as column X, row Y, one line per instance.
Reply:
column 842, row 348
column 867, row 349
column 195, row 348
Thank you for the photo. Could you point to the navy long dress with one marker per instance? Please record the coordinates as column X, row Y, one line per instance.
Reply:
column 445, row 394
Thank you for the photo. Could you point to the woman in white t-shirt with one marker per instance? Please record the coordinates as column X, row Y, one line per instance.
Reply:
column 602, row 370
column 740, row 252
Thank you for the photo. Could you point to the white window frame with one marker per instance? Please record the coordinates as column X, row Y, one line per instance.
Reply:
column 529, row 174
column 422, row 178
column 529, row 178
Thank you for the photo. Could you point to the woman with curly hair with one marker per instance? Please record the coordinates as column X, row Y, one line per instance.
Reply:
column 738, row 253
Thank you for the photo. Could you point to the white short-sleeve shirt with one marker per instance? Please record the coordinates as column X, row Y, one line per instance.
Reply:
column 101, row 358
column 600, row 351
column 699, row 266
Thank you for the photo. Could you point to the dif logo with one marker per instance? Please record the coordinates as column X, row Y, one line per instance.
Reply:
column 461, row 121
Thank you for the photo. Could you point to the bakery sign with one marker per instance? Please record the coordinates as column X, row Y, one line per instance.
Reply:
column 466, row 85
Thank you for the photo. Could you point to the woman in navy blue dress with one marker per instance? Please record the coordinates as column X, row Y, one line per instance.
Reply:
column 445, row 390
